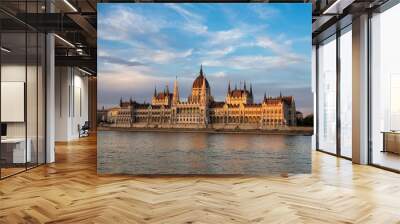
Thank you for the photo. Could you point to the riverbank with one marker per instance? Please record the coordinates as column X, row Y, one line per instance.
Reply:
column 306, row 131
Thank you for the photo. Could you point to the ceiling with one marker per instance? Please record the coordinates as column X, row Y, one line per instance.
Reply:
column 75, row 22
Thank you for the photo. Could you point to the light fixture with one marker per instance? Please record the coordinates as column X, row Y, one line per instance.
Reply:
column 64, row 40
column 337, row 7
column 80, row 51
column 70, row 5
column 84, row 71
column 5, row 50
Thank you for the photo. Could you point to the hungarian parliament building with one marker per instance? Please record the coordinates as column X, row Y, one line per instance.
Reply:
column 201, row 110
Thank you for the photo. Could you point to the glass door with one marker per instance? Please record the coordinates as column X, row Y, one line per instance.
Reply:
column 346, row 92
column 385, row 89
column 327, row 95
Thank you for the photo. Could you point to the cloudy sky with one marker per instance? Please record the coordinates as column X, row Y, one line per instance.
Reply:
column 142, row 46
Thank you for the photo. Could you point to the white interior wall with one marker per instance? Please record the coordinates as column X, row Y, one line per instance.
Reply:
column 71, row 102
column 62, row 80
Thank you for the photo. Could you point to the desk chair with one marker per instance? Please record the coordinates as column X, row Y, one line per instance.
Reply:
column 84, row 130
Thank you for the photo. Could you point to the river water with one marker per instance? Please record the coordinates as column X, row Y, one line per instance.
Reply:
column 128, row 152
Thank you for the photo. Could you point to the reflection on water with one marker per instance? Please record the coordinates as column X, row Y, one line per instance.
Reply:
column 201, row 153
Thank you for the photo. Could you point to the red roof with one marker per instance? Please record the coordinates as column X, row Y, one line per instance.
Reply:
column 285, row 99
column 198, row 82
column 162, row 95
column 238, row 93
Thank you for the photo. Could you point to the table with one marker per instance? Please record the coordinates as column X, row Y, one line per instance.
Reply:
column 16, row 147
column 391, row 141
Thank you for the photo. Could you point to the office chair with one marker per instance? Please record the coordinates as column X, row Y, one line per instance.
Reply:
column 84, row 130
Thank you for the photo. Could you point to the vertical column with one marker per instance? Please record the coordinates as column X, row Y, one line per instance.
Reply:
column 338, row 77
column 50, row 98
column 360, row 89
column 316, row 96
column 50, row 92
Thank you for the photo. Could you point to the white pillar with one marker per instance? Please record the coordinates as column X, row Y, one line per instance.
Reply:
column 360, row 89
column 50, row 99
column 314, row 92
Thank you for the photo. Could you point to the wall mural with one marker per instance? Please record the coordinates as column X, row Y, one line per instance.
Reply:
column 204, row 89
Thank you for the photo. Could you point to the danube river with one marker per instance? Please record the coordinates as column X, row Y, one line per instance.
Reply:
column 130, row 152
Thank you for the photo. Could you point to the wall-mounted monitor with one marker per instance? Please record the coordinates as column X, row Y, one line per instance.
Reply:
column 12, row 101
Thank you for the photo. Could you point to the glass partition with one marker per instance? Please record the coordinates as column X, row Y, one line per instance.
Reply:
column 13, row 108
column 385, row 89
column 327, row 95
column 31, row 97
column 346, row 92
column 22, row 77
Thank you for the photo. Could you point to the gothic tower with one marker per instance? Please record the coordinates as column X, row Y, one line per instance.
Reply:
column 203, row 94
column 175, row 96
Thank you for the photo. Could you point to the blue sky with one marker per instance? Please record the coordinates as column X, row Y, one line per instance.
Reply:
column 141, row 46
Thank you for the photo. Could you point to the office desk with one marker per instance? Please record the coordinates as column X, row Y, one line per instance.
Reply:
column 391, row 141
column 16, row 148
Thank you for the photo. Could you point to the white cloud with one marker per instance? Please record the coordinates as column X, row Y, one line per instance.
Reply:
column 136, row 81
column 265, row 13
column 125, row 80
column 220, row 52
column 220, row 74
column 128, row 26
column 196, row 28
column 255, row 62
column 306, row 39
column 274, row 46
column 281, row 47
column 161, row 56
column 184, row 13
column 149, row 54
column 192, row 21
column 225, row 36
column 102, row 52
column 123, row 23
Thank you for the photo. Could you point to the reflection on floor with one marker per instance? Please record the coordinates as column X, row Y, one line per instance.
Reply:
column 11, row 169
column 70, row 191
column 387, row 159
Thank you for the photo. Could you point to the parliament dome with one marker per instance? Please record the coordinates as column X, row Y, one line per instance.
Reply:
column 198, row 82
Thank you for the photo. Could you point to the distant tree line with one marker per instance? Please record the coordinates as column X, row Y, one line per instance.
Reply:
column 308, row 121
